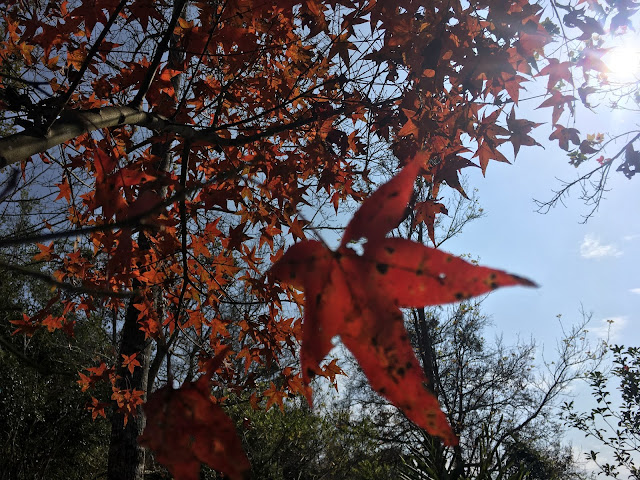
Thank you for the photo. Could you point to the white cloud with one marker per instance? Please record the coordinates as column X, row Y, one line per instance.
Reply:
column 609, row 328
column 635, row 290
column 628, row 238
column 592, row 248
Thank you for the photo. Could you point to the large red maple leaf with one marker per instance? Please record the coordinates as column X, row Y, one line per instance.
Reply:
column 186, row 428
column 359, row 298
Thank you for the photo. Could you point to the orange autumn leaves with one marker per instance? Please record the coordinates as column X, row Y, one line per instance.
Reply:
column 359, row 298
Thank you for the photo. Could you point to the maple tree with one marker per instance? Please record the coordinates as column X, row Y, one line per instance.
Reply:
column 195, row 140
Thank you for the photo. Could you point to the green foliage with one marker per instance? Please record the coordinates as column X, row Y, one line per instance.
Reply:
column 298, row 443
column 537, row 461
column 429, row 462
column 45, row 430
column 614, row 424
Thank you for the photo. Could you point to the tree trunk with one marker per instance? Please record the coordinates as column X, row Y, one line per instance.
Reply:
column 126, row 457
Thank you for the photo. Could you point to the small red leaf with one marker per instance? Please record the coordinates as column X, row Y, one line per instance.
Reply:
column 426, row 212
column 130, row 362
column 557, row 71
column 46, row 252
column 65, row 190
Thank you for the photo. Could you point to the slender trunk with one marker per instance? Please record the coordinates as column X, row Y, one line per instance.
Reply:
column 126, row 457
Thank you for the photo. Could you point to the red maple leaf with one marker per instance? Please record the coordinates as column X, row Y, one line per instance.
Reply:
column 519, row 129
column 46, row 252
column 185, row 428
column 130, row 362
column 557, row 101
column 564, row 135
column 359, row 297
column 448, row 171
column 557, row 71
column 426, row 212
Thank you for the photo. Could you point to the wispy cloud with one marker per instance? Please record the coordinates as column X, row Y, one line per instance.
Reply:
column 628, row 238
column 592, row 248
column 635, row 290
column 609, row 328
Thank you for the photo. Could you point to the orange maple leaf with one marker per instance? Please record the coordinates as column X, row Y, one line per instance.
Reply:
column 46, row 252
column 130, row 362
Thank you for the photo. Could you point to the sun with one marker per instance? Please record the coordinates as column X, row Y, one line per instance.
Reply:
column 624, row 63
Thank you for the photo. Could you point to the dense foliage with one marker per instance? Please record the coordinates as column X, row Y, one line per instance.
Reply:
column 45, row 431
column 614, row 422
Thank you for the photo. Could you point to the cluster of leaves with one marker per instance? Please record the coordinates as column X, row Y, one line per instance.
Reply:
column 587, row 31
column 614, row 424
column 197, row 139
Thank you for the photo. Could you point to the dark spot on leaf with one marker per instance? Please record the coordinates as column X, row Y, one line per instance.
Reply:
column 493, row 285
column 374, row 341
column 318, row 298
column 389, row 249
column 401, row 371
column 382, row 268
column 459, row 295
column 492, row 276
column 311, row 373
column 404, row 338
column 383, row 391
column 419, row 272
column 337, row 255
column 408, row 366
column 394, row 194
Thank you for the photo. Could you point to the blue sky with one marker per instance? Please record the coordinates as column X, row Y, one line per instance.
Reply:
column 591, row 266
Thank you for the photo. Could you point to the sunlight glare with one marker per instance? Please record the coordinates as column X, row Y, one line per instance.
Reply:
column 623, row 63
